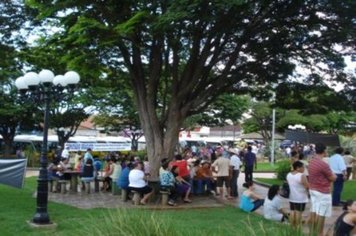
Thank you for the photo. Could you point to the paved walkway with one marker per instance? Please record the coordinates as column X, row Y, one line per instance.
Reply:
column 107, row 200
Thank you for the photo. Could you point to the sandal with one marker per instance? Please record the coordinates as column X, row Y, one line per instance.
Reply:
column 142, row 203
column 172, row 203
column 187, row 201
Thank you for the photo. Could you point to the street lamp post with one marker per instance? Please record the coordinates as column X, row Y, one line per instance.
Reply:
column 273, row 127
column 44, row 88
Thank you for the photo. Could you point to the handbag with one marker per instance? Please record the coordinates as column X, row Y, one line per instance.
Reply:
column 285, row 190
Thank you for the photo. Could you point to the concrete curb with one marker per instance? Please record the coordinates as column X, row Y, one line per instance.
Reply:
column 261, row 183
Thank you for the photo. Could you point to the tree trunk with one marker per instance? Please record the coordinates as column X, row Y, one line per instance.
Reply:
column 8, row 138
column 8, row 147
column 160, row 144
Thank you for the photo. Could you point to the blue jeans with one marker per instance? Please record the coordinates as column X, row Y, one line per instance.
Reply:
column 257, row 204
column 199, row 186
column 338, row 186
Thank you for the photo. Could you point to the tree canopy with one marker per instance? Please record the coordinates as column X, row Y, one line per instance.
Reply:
column 181, row 55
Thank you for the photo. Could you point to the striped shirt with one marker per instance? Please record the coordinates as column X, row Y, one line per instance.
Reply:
column 319, row 173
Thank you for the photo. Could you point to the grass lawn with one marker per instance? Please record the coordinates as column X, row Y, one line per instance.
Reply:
column 17, row 206
column 265, row 166
column 349, row 191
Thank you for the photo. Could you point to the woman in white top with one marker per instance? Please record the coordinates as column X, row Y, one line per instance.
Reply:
column 137, row 182
column 272, row 207
column 298, row 197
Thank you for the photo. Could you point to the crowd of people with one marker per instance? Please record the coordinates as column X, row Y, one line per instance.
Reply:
column 190, row 174
column 319, row 181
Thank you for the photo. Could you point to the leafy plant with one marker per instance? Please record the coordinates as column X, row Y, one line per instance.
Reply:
column 283, row 169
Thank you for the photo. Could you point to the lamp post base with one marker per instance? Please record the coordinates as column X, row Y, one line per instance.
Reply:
column 49, row 225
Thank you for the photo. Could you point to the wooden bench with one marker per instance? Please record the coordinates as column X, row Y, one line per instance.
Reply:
column 87, row 185
column 124, row 195
column 136, row 198
column 97, row 183
column 52, row 183
column 63, row 185
column 164, row 196
column 115, row 190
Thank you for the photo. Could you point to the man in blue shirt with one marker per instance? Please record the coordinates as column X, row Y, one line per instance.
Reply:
column 338, row 167
column 249, row 161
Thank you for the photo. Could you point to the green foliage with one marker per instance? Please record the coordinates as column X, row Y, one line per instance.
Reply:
column 283, row 168
column 32, row 156
column 227, row 109
column 318, row 99
column 129, row 27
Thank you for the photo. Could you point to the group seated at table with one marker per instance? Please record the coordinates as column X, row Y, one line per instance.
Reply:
column 56, row 171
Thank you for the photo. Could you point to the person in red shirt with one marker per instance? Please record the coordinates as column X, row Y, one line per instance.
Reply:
column 320, row 179
column 183, row 167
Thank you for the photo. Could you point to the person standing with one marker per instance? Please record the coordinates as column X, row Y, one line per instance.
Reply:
column 338, row 167
column 88, row 155
column 298, row 197
column 320, row 179
column 235, row 163
column 250, row 161
column 221, row 167
column 348, row 158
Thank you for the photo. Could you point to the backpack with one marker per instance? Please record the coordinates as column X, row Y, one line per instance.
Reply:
column 285, row 191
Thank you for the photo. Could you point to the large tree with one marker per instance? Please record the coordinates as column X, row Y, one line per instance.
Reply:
column 180, row 55
column 12, row 113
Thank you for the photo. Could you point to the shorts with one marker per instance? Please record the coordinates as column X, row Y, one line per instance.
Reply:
column 320, row 203
column 221, row 180
column 297, row 206
column 144, row 190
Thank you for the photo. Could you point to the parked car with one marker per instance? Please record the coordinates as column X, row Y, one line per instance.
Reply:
column 285, row 143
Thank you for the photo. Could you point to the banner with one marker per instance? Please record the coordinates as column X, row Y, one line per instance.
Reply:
column 12, row 172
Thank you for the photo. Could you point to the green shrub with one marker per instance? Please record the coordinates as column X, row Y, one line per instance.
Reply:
column 283, row 168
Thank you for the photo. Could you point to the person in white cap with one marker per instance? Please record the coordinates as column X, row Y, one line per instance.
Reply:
column 235, row 164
